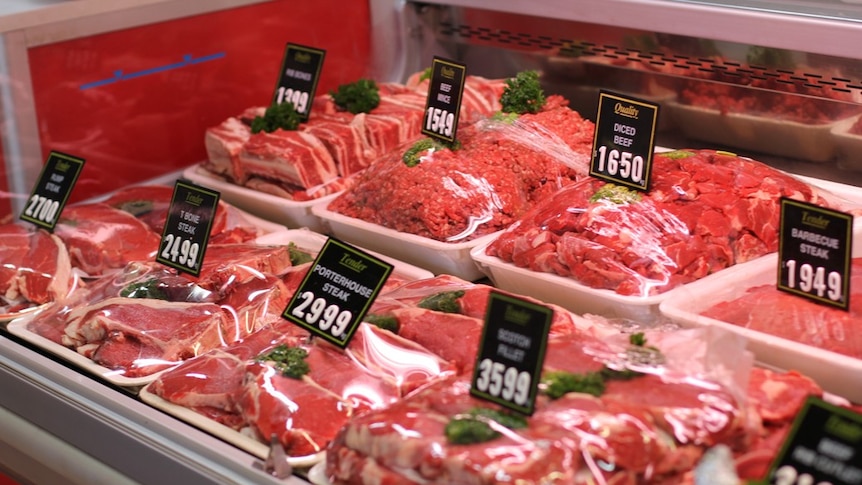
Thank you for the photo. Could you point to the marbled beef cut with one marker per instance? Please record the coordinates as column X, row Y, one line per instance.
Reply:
column 35, row 268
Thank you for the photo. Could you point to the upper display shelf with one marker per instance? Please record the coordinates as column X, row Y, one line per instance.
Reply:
column 794, row 25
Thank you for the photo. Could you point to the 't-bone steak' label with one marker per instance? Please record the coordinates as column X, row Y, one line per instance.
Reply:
column 337, row 291
column 52, row 190
column 444, row 99
column 824, row 447
column 188, row 226
column 511, row 352
column 814, row 252
column 624, row 140
column 300, row 71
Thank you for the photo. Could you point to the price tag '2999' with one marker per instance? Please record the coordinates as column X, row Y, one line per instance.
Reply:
column 52, row 190
column 187, row 228
column 337, row 291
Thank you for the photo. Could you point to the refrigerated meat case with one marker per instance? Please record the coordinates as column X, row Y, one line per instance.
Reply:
column 59, row 425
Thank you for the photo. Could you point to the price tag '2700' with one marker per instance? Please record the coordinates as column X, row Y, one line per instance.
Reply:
column 52, row 190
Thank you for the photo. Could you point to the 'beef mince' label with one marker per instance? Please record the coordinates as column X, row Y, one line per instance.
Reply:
column 511, row 352
column 337, row 292
column 52, row 190
column 297, row 83
column 187, row 228
column 444, row 99
column 814, row 253
column 624, row 140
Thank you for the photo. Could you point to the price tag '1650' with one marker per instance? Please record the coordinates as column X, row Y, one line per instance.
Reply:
column 52, row 190
column 187, row 228
column 337, row 291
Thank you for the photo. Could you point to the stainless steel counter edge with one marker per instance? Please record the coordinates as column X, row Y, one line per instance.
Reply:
column 130, row 438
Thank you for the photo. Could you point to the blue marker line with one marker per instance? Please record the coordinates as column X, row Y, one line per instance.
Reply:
column 119, row 76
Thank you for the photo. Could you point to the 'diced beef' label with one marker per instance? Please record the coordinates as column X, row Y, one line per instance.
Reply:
column 624, row 140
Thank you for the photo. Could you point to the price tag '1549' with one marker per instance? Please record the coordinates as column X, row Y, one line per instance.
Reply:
column 187, row 228
column 511, row 352
column 444, row 99
column 52, row 190
column 337, row 291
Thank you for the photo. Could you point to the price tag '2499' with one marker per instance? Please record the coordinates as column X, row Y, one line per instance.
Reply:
column 52, row 190
column 814, row 253
column 624, row 141
column 337, row 291
column 187, row 228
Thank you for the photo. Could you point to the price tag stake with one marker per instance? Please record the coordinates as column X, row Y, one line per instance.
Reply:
column 814, row 253
column 511, row 352
column 624, row 140
column 443, row 105
column 52, row 190
column 187, row 228
column 297, row 83
column 337, row 292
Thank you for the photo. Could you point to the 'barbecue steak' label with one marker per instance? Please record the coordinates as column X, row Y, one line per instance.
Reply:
column 814, row 253
column 511, row 352
column 824, row 448
column 52, row 190
column 337, row 292
column 624, row 140
column 297, row 83
column 187, row 229
column 444, row 99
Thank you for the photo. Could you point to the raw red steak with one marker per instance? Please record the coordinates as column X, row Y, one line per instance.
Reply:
column 101, row 238
column 706, row 210
column 767, row 310
column 35, row 268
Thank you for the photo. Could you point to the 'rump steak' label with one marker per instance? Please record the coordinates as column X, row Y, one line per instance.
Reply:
column 52, row 190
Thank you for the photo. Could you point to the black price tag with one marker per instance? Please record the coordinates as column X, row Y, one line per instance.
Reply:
column 814, row 253
column 300, row 72
column 337, row 291
column 52, row 190
column 187, row 229
column 824, row 448
column 443, row 106
column 624, row 140
column 511, row 352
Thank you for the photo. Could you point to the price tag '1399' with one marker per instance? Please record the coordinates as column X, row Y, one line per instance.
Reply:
column 187, row 229
column 52, row 190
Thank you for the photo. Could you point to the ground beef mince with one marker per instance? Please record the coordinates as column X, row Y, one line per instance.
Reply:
column 501, row 170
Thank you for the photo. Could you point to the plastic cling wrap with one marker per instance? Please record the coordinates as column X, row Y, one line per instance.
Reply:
column 706, row 210
column 500, row 168
column 608, row 412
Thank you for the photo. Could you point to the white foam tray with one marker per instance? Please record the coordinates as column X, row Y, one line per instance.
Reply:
column 290, row 213
column 436, row 256
column 836, row 373
column 564, row 291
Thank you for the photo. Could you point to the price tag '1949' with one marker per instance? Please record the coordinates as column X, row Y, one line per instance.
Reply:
column 297, row 83
column 187, row 228
column 814, row 253
column 511, row 352
column 337, row 291
column 624, row 140
column 52, row 190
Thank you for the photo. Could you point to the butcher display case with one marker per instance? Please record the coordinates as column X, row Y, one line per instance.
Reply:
column 131, row 86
